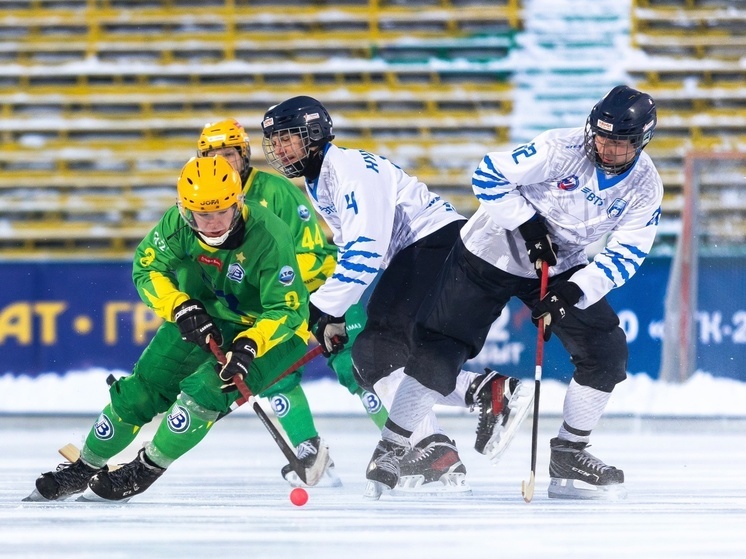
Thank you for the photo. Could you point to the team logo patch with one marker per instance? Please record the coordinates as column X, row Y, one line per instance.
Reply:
column 103, row 428
column 569, row 183
column 280, row 405
column 617, row 208
column 236, row 272
column 178, row 420
column 304, row 213
column 287, row 275
column 210, row 261
column 372, row 402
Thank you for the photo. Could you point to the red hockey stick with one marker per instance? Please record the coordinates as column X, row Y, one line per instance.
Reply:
column 527, row 488
column 246, row 395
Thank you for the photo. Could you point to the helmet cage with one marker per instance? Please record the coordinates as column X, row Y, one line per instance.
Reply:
column 292, row 158
column 636, row 143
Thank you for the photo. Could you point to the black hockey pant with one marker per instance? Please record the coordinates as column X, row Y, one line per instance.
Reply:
column 469, row 295
column 383, row 345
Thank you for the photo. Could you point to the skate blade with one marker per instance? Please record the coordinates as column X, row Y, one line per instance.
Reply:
column 560, row 488
column 89, row 496
column 374, row 490
column 328, row 480
column 520, row 404
column 36, row 497
column 449, row 485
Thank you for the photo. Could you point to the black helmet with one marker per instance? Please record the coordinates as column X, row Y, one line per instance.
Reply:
column 304, row 117
column 623, row 114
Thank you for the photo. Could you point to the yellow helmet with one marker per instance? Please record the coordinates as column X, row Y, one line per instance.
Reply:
column 226, row 134
column 208, row 185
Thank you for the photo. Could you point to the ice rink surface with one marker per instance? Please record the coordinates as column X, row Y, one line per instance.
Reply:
column 224, row 499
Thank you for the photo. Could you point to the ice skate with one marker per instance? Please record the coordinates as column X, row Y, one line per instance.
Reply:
column 503, row 405
column 320, row 472
column 577, row 474
column 123, row 483
column 383, row 469
column 68, row 480
column 432, row 467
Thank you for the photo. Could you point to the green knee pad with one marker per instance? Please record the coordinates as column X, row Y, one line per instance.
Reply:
column 294, row 414
column 183, row 427
column 110, row 435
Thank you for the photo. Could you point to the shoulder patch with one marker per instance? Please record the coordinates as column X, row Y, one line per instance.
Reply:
column 286, row 275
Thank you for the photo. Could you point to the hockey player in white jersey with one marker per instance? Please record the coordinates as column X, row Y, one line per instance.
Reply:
column 546, row 201
column 382, row 219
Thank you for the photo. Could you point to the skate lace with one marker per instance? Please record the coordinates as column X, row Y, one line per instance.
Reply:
column 68, row 474
column 589, row 461
column 306, row 449
column 388, row 462
column 128, row 476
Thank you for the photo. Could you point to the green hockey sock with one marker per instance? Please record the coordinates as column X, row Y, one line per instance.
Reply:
column 374, row 407
column 294, row 414
column 110, row 435
column 186, row 423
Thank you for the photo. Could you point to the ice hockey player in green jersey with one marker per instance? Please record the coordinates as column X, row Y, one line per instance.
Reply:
column 317, row 259
column 258, row 314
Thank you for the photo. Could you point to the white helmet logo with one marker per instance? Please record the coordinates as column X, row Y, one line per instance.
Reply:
column 605, row 125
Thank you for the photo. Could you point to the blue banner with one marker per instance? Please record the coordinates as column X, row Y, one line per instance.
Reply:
column 57, row 317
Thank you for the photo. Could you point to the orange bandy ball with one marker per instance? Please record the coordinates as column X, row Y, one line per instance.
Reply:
column 299, row 496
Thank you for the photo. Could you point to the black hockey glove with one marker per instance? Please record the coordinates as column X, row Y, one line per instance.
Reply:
column 538, row 244
column 555, row 305
column 196, row 325
column 238, row 362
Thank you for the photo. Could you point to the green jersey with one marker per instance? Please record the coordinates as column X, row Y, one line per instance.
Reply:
column 256, row 285
column 316, row 256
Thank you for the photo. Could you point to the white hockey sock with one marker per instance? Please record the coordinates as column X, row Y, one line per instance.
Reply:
column 386, row 387
column 412, row 403
column 386, row 390
column 581, row 412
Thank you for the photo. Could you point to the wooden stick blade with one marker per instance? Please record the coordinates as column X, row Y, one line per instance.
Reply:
column 527, row 488
column 70, row 452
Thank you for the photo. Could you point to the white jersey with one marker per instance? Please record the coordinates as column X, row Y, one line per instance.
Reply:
column 374, row 210
column 553, row 177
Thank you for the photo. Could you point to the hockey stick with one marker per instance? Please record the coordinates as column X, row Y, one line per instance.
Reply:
column 71, row 453
column 246, row 395
column 527, row 488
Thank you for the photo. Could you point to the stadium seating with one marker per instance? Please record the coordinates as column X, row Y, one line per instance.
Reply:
column 693, row 70
column 103, row 100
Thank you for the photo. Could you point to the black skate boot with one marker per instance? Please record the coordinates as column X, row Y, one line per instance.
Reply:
column 433, row 466
column 123, row 483
column 67, row 480
column 577, row 474
column 319, row 467
column 503, row 404
column 383, row 469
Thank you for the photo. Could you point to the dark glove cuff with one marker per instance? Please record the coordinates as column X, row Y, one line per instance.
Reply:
column 569, row 291
column 314, row 314
column 335, row 319
column 533, row 229
column 188, row 306
column 245, row 345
